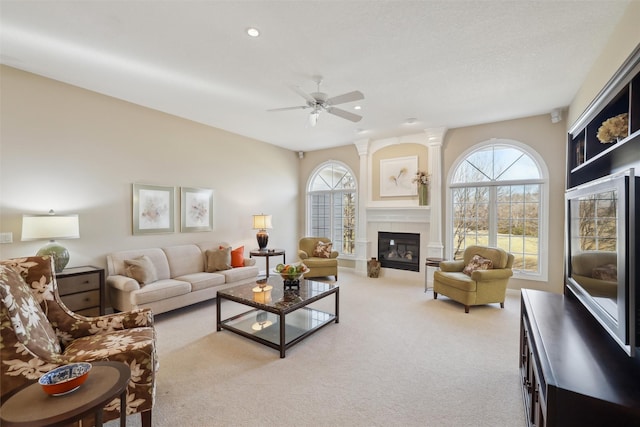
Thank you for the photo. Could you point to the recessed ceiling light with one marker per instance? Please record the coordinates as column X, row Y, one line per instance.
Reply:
column 253, row 32
column 410, row 121
column 357, row 107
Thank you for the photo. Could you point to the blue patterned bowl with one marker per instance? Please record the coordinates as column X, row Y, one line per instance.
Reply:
column 65, row 379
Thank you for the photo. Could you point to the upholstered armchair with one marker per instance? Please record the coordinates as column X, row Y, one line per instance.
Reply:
column 317, row 253
column 481, row 277
column 38, row 333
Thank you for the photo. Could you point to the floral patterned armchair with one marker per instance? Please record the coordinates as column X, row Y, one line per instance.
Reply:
column 38, row 333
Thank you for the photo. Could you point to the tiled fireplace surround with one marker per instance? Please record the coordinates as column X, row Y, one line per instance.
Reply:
column 400, row 215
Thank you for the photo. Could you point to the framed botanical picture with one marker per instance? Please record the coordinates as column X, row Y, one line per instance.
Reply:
column 396, row 176
column 196, row 209
column 153, row 209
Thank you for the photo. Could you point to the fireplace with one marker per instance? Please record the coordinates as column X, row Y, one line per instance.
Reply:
column 399, row 250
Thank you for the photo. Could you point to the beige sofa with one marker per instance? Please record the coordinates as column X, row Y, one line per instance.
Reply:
column 181, row 276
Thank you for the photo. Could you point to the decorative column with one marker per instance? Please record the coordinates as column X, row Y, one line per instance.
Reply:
column 364, row 189
column 435, row 137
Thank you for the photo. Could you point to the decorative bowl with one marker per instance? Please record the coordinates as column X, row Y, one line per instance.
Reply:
column 65, row 379
column 291, row 272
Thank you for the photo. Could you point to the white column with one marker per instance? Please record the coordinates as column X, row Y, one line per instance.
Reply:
column 435, row 137
column 364, row 189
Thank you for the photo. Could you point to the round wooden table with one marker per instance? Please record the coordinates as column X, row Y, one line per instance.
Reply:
column 268, row 253
column 31, row 406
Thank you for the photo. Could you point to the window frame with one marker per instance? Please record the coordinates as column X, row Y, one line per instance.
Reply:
column 309, row 201
column 543, row 219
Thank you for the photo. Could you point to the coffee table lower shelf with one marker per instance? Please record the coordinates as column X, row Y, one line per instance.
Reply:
column 278, row 331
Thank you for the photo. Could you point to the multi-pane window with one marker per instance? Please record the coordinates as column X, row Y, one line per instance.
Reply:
column 496, row 200
column 332, row 206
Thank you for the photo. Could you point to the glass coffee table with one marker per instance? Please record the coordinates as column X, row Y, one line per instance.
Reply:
column 279, row 316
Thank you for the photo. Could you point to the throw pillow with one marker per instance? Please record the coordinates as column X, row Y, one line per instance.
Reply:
column 218, row 260
column 607, row 272
column 477, row 263
column 323, row 250
column 237, row 257
column 25, row 314
column 141, row 269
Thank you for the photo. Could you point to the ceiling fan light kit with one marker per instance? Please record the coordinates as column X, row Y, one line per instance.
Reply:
column 320, row 101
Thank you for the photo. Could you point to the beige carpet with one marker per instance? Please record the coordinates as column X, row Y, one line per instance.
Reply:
column 397, row 358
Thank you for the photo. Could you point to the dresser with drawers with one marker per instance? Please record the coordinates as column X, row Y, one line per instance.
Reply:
column 82, row 290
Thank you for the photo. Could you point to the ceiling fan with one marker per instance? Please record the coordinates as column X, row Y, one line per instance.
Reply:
column 320, row 101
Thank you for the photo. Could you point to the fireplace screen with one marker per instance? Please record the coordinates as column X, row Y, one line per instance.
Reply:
column 399, row 250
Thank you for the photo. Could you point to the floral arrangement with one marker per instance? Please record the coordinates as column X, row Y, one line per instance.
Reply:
column 422, row 178
column 613, row 128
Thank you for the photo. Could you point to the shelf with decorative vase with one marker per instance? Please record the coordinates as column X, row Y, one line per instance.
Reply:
column 422, row 180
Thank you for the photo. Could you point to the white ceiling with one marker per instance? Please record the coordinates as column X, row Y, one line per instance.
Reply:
column 444, row 63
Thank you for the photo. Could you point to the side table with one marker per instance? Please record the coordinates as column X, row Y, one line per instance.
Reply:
column 31, row 406
column 82, row 290
column 268, row 253
column 431, row 262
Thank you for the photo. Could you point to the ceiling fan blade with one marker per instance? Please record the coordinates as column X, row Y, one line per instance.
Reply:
column 310, row 99
column 344, row 114
column 299, row 107
column 356, row 95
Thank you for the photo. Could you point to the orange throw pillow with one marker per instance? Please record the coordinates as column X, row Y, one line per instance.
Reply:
column 237, row 257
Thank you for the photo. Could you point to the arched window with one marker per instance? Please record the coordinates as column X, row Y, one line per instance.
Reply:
column 331, row 206
column 497, row 198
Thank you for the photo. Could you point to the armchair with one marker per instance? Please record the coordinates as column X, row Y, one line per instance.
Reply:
column 39, row 333
column 319, row 266
column 475, row 286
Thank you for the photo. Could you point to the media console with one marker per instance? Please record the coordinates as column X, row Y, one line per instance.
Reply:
column 573, row 373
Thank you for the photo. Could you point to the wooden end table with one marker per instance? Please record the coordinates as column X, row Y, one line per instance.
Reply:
column 268, row 253
column 31, row 406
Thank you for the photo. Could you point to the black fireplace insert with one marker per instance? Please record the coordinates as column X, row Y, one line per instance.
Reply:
column 399, row 250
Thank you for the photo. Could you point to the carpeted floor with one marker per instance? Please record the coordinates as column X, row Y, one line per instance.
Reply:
column 397, row 358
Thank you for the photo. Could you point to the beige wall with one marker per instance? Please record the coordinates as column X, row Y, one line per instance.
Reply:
column 548, row 140
column 623, row 41
column 75, row 151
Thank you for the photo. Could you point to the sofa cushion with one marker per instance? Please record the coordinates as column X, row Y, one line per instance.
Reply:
column 218, row 259
column 457, row 280
column 322, row 250
column 606, row 272
column 320, row 262
column 160, row 290
column 477, row 263
column 184, row 259
column 202, row 280
column 115, row 261
column 237, row 257
column 141, row 269
column 240, row 273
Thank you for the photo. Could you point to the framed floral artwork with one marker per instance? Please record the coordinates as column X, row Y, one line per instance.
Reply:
column 396, row 176
column 153, row 209
column 196, row 209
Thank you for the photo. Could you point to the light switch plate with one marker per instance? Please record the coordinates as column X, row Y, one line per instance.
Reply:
column 6, row 237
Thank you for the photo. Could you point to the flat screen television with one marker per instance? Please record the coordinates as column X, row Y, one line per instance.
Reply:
column 601, row 254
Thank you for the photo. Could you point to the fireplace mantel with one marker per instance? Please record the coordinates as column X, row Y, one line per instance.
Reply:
column 413, row 214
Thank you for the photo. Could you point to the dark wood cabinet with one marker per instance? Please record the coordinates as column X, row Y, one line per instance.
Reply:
column 588, row 158
column 573, row 373
column 82, row 290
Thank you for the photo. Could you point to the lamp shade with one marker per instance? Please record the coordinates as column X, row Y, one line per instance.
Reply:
column 51, row 227
column 262, row 222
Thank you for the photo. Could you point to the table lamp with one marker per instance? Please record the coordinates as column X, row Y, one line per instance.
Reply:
column 261, row 223
column 51, row 226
